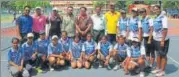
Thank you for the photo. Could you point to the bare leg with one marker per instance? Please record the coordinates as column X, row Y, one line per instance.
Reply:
column 163, row 62
column 158, row 62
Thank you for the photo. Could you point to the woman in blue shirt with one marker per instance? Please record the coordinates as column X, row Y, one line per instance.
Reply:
column 104, row 51
column 75, row 52
column 15, row 60
column 65, row 41
column 136, row 57
column 122, row 24
column 42, row 46
column 55, row 56
column 134, row 27
column 89, row 49
column 29, row 50
column 120, row 52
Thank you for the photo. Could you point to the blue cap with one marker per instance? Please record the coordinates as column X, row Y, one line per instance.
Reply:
column 42, row 32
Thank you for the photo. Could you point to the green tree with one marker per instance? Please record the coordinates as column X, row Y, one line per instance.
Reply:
column 121, row 4
column 128, row 2
column 19, row 4
column 149, row 2
column 170, row 4
column 98, row 3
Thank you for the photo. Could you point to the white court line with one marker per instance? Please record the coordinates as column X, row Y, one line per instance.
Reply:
column 173, row 60
column 4, row 60
column 173, row 39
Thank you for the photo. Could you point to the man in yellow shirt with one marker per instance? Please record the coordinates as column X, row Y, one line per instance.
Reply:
column 111, row 18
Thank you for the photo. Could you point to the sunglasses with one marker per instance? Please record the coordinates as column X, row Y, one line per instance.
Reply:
column 123, row 13
column 134, row 11
column 15, row 43
column 27, row 10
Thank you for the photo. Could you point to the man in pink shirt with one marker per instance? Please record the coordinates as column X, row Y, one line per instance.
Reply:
column 39, row 22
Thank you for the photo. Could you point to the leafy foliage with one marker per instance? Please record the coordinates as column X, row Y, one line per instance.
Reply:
column 98, row 3
column 19, row 4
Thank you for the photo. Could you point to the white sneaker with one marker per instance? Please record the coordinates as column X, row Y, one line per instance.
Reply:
column 51, row 68
column 155, row 71
column 109, row 67
column 100, row 66
column 142, row 74
column 151, row 65
column 116, row 67
column 162, row 73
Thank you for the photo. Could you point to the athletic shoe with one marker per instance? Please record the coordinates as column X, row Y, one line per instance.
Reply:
column 39, row 70
column 148, row 69
column 109, row 67
column 160, row 74
column 116, row 67
column 100, row 66
column 155, row 71
column 142, row 74
column 51, row 68
column 126, row 73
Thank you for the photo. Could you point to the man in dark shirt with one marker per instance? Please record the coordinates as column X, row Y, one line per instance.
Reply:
column 55, row 20
column 83, row 23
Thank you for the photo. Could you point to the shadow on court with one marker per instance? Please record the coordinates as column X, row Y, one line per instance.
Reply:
column 171, row 68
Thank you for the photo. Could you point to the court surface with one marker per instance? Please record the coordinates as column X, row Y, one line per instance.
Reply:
column 171, row 69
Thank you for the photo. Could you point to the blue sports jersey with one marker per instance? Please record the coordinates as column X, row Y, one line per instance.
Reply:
column 122, row 49
column 158, row 24
column 133, row 24
column 89, row 47
column 15, row 56
column 55, row 49
column 104, row 48
column 42, row 46
column 123, row 24
column 28, row 50
column 65, row 44
column 76, row 49
column 135, row 52
column 25, row 23
column 145, row 25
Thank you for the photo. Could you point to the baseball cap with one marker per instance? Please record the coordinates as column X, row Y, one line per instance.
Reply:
column 55, row 8
column 122, row 11
column 54, row 37
column 30, row 35
column 135, row 39
column 38, row 8
column 134, row 9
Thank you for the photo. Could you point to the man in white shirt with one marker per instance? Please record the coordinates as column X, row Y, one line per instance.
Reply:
column 161, row 41
column 98, row 24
